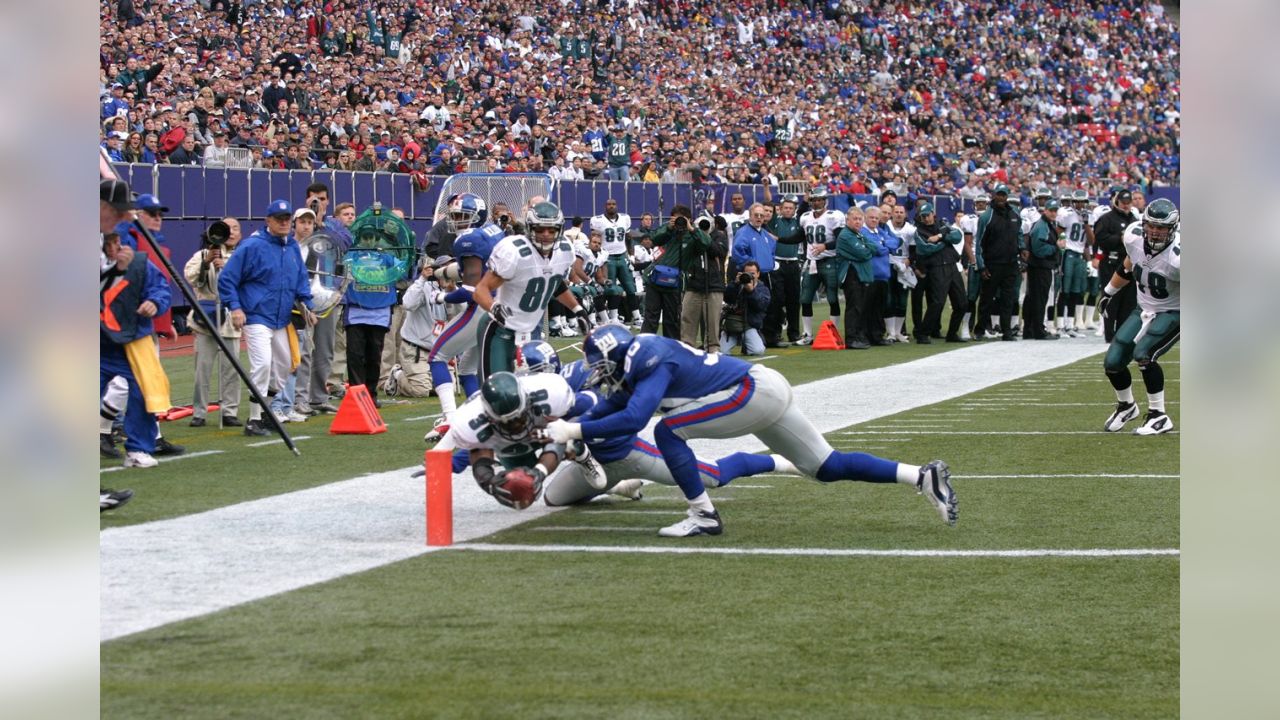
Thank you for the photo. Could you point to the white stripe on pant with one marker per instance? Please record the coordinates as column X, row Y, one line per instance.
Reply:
column 268, row 361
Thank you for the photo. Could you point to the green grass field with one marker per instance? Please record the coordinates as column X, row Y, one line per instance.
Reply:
column 497, row 634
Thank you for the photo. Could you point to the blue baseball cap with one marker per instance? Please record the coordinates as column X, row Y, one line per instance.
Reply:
column 150, row 202
column 279, row 207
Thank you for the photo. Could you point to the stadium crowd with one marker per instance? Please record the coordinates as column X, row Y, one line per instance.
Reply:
column 940, row 98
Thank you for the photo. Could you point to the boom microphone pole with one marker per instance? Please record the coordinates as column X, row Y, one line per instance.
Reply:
column 108, row 172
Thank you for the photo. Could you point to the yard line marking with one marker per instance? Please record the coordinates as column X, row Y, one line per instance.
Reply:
column 1063, row 475
column 758, row 359
column 160, row 572
column 580, row 528
column 751, row 487
column 422, row 417
column 826, row 552
column 184, row 456
column 277, row 441
column 982, row 432
column 1056, row 404
column 656, row 511
column 909, row 427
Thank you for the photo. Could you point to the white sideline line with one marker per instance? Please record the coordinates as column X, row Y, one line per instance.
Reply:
column 732, row 485
column 1061, row 475
column 277, row 441
column 650, row 513
column 983, row 432
column 598, row 528
column 184, row 456
column 758, row 359
column 1056, row 404
column 156, row 573
column 422, row 417
column 826, row 552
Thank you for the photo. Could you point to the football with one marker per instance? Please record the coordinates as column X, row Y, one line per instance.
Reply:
column 522, row 487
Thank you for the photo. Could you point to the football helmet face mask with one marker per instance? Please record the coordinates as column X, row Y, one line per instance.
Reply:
column 506, row 405
column 466, row 211
column 605, row 352
column 1159, row 223
column 544, row 222
column 817, row 199
column 537, row 357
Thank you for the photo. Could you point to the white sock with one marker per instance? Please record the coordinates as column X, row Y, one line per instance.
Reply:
column 613, row 316
column 107, row 415
column 1061, row 322
column 1069, row 323
column 1079, row 318
column 995, row 322
column 908, row 474
column 807, row 324
column 1155, row 401
column 702, row 502
column 602, row 317
column 448, row 401
column 784, row 466
column 1125, row 395
column 964, row 323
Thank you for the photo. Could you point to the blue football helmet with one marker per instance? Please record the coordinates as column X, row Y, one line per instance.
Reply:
column 466, row 211
column 605, row 351
column 537, row 356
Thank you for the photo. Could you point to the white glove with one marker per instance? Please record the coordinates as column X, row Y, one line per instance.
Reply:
column 437, row 298
column 561, row 432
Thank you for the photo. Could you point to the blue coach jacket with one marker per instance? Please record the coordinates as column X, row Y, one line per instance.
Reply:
column 263, row 277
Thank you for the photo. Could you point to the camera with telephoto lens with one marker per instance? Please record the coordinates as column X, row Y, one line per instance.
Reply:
column 745, row 279
column 705, row 224
column 680, row 223
column 217, row 234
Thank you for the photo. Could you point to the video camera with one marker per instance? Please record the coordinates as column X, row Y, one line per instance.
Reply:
column 216, row 235
column 705, row 224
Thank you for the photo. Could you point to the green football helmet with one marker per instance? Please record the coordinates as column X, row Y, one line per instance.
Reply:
column 506, row 405
column 1159, row 223
column 1080, row 198
column 544, row 215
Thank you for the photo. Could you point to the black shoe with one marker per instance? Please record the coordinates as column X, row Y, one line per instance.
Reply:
column 166, row 448
column 859, row 345
column 196, row 422
column 1047, row 337
column 956, row 339
column 1009, row 338
column 377, row 403
column 231, row 421
column 936, row 336
column 108, row 448
column 326, row 408
column 923, row 340
column 109, row 499
column 255, row 428
column 117, row 435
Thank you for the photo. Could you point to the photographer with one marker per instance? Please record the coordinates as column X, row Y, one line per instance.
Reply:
column 202, row 270
column 678, row 244
column 746, row 302
column 425, row 314
column 704, row 289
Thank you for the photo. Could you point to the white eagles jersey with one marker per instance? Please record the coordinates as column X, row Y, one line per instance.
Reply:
column 735, row 221
column 968, row 224
column 1029, row 217
column 529, row 280
column 614, row 232
column 549, row 397
column 590, row 260
column 821, row 229
column 1159, row 276
column 1072, row 229
column 906, row 234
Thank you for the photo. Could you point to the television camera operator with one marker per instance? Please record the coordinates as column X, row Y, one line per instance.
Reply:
column 217, row 243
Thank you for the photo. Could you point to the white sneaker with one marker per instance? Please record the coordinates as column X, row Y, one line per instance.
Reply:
column 632, row 489
column 784, row 466
column 902, row 338
column 1099, row 331
column 1156, row 423
column 438, row 431
column 1123, row 414
column 964, row 334
column 805, row 339
column 697, row 523
column 935, row 484
column 139, row 459
column 294, row 417
column 391, row 386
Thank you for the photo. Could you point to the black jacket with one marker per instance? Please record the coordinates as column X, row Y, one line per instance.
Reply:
column 706, row 270
column 752, row 305
column 999, row 236
column 1108, row 233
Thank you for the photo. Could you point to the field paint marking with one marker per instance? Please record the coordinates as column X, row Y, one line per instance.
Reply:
column 826, row 552
column 422, row 417
column 758, row 359
column 161, row 572
column 277, row 441
column 650, row 513
column 983, row 432
column 184, row 456
column 732, row 485
column 1055, row 404
column 598, row 528
column 1060, row 475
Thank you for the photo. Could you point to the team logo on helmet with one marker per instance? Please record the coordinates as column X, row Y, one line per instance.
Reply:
column 466, row 211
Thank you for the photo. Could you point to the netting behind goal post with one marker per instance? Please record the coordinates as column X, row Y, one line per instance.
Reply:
column 512, row 189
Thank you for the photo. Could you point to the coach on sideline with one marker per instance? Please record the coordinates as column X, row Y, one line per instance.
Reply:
column 260, row 284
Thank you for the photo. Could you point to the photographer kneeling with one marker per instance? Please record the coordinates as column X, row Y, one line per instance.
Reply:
column 745, row 304
column 202, row 270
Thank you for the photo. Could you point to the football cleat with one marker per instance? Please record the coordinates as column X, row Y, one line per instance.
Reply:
column 255, row 428
column 698, row 522
column 166, row 448
column 109, row 499
column 139, row 459
column 1155, row 424
column 437, row 431
column 107, row 448
column 935, row 484
column 631, row 489
column 1123, row 414
column 805, row 339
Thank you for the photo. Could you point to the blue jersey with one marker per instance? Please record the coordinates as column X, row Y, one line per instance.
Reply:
column 658, row 369
column 477, row 242
column 595, row 140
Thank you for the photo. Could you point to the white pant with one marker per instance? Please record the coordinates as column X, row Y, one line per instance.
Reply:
column 268, row 361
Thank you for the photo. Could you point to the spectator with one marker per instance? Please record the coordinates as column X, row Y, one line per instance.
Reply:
column 218, row 242
column 216, row 154
column 746, row 301
column 703, row 301
column 261, row 283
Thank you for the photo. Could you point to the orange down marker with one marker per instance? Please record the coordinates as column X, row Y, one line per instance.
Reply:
column 439, row 495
